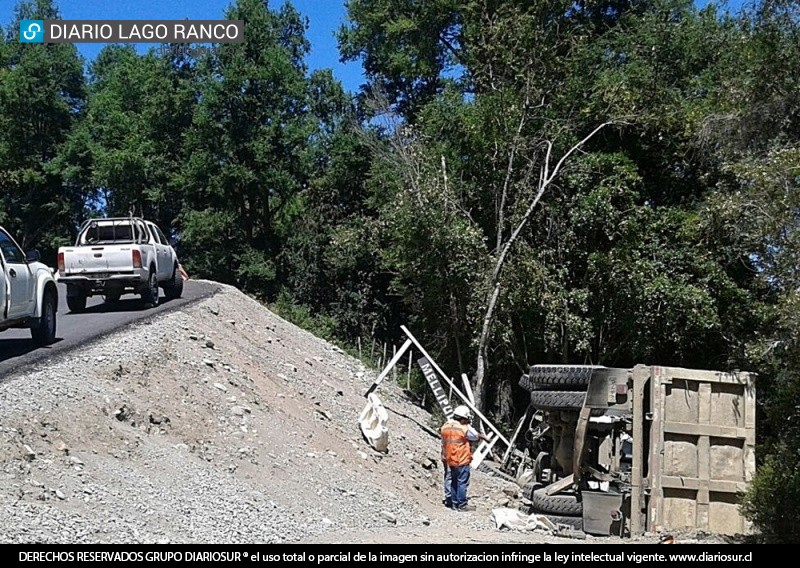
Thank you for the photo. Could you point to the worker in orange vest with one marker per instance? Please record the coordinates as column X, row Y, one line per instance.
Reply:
column 457, row 437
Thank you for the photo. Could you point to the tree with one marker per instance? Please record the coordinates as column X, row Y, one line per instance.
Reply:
column 405, row 46
column 132, row 130
column 41, row 94
column 247, row 148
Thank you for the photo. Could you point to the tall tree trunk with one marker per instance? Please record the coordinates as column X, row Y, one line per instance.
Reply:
column 546, row 177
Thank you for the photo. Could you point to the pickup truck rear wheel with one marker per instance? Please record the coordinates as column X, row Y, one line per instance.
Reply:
column 150, row 295
column 44, row 331
column 77, row 301
column 174, row 288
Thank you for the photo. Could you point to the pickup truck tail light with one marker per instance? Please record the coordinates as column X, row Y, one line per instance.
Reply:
column 137, row 258
column 61, row 267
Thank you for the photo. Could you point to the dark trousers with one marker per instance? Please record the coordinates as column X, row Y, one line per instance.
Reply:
column 448, row 486
column 459, row 484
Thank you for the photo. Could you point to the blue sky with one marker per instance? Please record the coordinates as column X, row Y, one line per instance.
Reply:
column 325, row 17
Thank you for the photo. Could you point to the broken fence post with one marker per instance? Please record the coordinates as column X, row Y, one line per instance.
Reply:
column 408, row 376
column 388, row 367
column 394, row 368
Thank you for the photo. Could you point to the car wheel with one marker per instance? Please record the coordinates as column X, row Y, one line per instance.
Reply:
column 77, row 302
column 150, row 295
column 174, row 289
column 44, row 333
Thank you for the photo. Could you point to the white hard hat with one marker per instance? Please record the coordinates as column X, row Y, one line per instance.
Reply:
column 462, row 412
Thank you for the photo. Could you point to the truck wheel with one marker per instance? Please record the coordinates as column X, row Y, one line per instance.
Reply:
column 44, row 332
column 77, row 303
column 174, row 288
column 561, row 504
column 549, row 401
column 557, row 400
column 150, row 295
column 529, row 488
column 560, row 377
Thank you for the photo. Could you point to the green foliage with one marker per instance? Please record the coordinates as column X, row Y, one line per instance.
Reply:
column 321, row 326
column 405, row 45
column 248, row 143
column 41, row 93
column 772, row 500
column 138, row 108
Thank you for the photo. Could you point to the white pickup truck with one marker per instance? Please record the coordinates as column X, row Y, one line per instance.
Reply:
column 28, row 292
column 117, row 256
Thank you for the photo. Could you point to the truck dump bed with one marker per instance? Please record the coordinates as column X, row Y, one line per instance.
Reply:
column 694, row 448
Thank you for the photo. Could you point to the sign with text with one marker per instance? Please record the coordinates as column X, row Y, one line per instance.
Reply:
column 132, row 31
column 436, row 386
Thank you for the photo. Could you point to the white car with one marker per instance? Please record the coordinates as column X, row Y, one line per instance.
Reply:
column 28, row 292
column 117, row 256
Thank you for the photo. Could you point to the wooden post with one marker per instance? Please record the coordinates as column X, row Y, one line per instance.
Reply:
column 383, row 357
column 394, row 369
column 359, row 346
column 389, row 367
column 408, row 376
column 516, row 433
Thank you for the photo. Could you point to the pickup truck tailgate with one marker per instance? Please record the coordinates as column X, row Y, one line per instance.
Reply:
column 98, row 259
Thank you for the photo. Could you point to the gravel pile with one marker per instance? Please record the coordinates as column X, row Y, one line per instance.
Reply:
column 220, row 423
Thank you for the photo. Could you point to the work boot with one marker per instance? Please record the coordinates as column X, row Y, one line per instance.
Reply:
column 465, row 508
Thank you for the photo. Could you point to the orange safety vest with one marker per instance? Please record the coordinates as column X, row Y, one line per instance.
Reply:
column 456, row 449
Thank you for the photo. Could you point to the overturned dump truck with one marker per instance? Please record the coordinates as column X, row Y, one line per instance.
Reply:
column 622, row 452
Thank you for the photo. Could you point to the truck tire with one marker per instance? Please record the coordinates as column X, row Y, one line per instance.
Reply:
column 525, row 382
column 561, row 504
column 557, row 400
column 44, row 331
column 174, row 288
column 549, row 401
column 76, row 302
column 529, row 488
column 560, row 377
column 150, row 294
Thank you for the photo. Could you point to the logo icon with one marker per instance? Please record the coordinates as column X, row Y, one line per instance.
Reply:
column 31, row 31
